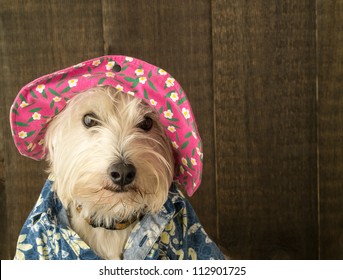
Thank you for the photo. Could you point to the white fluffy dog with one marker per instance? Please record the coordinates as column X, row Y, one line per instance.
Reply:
column 112, row 164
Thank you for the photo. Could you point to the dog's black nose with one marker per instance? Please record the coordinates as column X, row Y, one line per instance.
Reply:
column 122, row 174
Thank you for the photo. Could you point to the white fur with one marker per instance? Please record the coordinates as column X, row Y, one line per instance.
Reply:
column 79, row 159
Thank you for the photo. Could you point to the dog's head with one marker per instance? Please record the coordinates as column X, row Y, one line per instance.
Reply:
column 109, row 154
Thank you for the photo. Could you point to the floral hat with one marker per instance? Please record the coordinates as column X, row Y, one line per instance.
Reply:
column 39, row 101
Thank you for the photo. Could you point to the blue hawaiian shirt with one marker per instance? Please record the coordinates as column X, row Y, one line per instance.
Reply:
column 173, row 233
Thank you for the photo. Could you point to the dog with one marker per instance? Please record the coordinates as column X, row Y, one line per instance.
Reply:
column 112, row 192
column 120, row 165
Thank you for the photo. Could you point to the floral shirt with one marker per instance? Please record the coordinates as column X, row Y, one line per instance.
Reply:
column 173, row 233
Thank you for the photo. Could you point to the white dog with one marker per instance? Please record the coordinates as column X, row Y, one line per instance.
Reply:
column 120, row 165
column 114, row 171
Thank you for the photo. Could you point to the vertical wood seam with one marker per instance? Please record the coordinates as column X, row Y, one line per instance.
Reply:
column 105, row 47
column 214, row 126
column 3, row 182
column 317, row 134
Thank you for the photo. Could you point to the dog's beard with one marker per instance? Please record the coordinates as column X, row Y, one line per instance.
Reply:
column 80, row 157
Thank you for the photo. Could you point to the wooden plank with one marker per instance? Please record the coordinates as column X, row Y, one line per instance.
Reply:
column 175, row 35
column 39, row 37
column 265, row 102
column 3, row 213
column 330, row 122
column 3, row 119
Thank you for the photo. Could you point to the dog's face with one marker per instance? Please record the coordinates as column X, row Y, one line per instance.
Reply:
column 109, row 154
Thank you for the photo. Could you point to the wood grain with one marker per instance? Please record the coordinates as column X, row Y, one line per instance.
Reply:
column 38, row 38
column 265, row 101
column 175, row 35
column 330, row 116
column 3, row 196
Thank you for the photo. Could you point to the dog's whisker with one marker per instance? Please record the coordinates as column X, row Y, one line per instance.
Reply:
column 140, row 192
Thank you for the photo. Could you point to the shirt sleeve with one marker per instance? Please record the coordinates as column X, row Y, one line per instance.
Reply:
column 33, row 241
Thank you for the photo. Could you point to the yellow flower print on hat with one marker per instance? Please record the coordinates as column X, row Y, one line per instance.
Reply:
column 72, row 83
column 185, row 113
column 174, row 96
column 22, row 134
column 168, row 114
column 40, row 88
column 110, row 74
column 23, row 104
column 153, row 102
column 171, row 128
column 162, row 72
column 142, row 80
column 170, row 82
column 36, row 116
column 119, row 87
column 139, row 72
column 109, row 65
column 96, row 62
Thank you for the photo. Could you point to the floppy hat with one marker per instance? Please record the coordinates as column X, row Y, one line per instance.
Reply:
column 39, row 101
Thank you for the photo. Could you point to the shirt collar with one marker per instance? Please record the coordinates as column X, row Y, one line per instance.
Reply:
column 145, row 233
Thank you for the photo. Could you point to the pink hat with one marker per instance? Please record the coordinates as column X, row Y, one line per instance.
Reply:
column 39, row 101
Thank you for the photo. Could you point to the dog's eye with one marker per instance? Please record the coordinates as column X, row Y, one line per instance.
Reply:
column 89, row 120
column 146, row 124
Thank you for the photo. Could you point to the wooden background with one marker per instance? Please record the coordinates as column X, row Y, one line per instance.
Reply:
column 265, row 81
